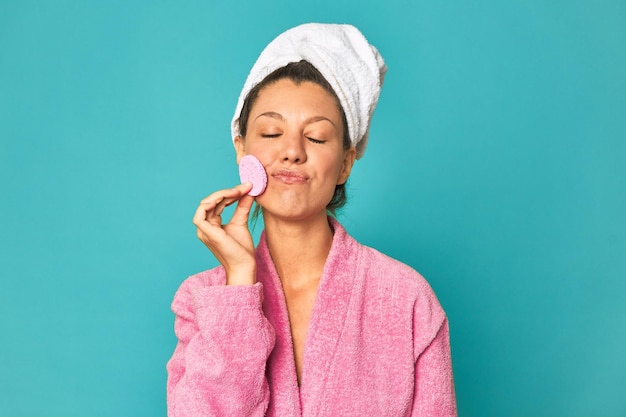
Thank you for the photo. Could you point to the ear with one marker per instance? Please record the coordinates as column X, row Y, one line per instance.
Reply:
column 348, row 161
column 240, row 148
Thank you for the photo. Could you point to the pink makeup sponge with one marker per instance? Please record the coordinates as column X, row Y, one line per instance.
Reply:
column 251, row 169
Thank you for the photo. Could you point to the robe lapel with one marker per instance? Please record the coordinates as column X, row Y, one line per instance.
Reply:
column 323, row 335
column 281, row 368
column 327, row 320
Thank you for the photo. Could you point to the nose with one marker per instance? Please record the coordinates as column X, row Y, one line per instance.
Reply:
column 293, row 148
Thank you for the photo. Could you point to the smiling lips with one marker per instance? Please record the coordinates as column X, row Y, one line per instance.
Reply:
column 289, row 177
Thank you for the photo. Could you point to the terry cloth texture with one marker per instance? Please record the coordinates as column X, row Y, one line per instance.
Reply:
column 377, row 344
column 352, row 66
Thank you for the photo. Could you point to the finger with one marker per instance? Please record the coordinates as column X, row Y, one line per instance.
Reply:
column 211, row 208
column 245, row 187
column 203, row 211
column 210, row 234
column 208, row 223
column 234, row 192
column 219, row 208
column 206, row 213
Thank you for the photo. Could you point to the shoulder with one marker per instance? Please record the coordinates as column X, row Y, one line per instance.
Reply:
column 377, row 266
column 412, row 289
column 384, row 270
column 403, row 289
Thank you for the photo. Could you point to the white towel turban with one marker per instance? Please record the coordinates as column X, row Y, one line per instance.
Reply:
column 352, row 66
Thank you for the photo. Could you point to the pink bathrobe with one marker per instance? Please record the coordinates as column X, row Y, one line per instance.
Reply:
column 377, row 343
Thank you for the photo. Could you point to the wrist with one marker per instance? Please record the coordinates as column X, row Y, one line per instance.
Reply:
column 241, row 276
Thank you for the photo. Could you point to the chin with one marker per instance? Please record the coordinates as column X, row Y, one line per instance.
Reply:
column 293, row 213
column 291, row 206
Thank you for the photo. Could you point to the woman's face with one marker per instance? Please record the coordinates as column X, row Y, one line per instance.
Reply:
column 296, row 131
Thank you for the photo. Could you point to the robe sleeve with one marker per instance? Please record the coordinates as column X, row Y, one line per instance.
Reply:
column 434, row 383
column 224, row 340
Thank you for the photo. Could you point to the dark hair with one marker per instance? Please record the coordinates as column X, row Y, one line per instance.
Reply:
column 299, row 72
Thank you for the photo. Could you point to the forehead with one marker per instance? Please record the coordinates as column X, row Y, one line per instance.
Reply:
column 288, row 94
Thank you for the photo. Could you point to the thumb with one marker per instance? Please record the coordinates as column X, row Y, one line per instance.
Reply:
column 242, row 211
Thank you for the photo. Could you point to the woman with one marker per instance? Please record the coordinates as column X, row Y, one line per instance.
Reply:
column 310, row 322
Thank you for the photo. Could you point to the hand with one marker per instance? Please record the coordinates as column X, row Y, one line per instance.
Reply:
column 230, row 243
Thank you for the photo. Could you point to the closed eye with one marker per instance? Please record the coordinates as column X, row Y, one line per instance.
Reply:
column 313, row 140
column 270, row 135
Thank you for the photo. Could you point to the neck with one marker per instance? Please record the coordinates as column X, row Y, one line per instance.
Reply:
column 299, row 249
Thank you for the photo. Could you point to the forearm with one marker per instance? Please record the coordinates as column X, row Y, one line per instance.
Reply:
column 218, row 367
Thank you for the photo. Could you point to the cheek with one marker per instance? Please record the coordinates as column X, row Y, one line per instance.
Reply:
column 330, row 170
column 334, row 163
column 263, row 153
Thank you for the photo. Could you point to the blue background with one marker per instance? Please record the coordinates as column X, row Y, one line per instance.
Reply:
column 495, row 167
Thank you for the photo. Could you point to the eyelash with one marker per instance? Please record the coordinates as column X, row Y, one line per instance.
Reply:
column 275, row 135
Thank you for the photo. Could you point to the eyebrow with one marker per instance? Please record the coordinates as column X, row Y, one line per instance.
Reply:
column 271, row 114
column 278, row 116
